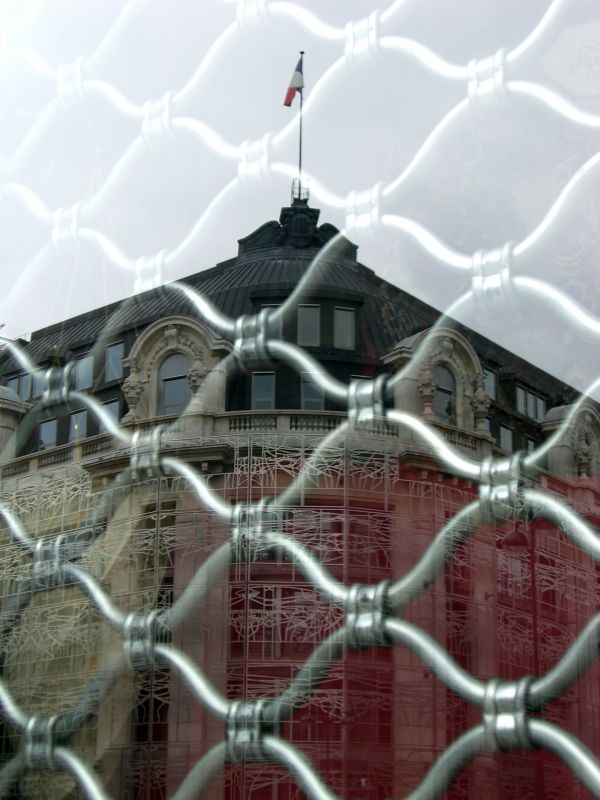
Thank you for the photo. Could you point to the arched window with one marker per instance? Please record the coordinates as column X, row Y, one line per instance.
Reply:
column 444, row 400
column 174, row 392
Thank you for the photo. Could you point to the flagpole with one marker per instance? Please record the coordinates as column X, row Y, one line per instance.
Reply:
column 300, row 139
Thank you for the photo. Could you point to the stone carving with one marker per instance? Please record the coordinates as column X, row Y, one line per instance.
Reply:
column 133, row 388
column 585, row 447
column 480, row 402
column 196, row 375
column 428, row 389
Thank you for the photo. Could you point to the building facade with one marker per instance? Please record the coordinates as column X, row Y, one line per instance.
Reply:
column 509, row 601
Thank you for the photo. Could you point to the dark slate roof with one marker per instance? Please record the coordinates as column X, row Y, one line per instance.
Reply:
column 270, row 263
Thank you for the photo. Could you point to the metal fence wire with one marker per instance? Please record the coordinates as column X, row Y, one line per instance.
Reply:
column 120, row 635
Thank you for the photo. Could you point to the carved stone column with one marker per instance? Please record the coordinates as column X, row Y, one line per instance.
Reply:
column 480, row 403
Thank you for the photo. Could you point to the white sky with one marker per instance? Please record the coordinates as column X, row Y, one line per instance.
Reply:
column 490, row 176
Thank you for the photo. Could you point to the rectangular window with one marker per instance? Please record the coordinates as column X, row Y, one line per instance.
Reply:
column 175, row 395
column 312, row 393
column 38, row 383
column 529, row 444
column 47, row 433
column 343, row 328
column 84, row 372
column 521, row 400
column 77, row 425
column 275, row 328
column 309, row 326
column 530, row 404
column 13, row 384
column 488, row 424
column 540, row 408
column 489, row 383
column 506, row 439
column 25, row 386
column 263, row 390
column 113, row 410
column 113, row 362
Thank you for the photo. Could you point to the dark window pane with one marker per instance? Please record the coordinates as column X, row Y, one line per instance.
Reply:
column 47, row 434
column 25, row 386
column 84, row 372
column 174, row 392
column 113, row 410
column 540, row 409
column 312, row 394
column 113, row 362
column 490, row 383
column 309, row 326
column 506, row 442
column 38, row 383
column 443, row 401
column 531, row 403
column 77, row 425
column 530, row 445
column 176, row 395
column 521, row 400
column 343, row 328
column 263, row 390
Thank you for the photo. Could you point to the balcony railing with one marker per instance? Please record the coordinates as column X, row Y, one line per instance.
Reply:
column 192, row 430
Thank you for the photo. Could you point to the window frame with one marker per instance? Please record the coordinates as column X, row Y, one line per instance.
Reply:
column 107, row 351
column 528, row 401
column 307, row 380
column 487, row 374
column 511, row 432
column 114, row 402
column 309, row 341
column 40, row 426
column 161, row 407
column 352, row 312
column 253, row 405
column 89, row 357
column 72, row 415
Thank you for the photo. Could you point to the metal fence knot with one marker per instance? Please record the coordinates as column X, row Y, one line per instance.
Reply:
column 58, row 383
column 366, row 399
column 39, row 743
column 248, row 524
column 505, row 714
column 251, row 335
column 363, row 211
column 245, row 728
column 141, row 632
column 148, row 271
column 501, row 483
column 65, row 226
column 491, row 273
column 70, row 87
column 486, row 80
column 156, row 119
column 254, row 162
column 367, row 608
column 49, row 557
column 362, row 40
column 145, row 458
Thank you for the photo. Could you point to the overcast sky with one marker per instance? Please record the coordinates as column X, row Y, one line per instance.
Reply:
column 75, row 78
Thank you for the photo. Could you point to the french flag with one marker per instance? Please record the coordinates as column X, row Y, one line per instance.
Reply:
column 296, row 84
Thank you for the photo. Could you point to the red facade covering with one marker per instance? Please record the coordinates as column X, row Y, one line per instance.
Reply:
column 379, row 718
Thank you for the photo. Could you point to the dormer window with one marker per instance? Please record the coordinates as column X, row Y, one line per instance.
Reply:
column 84, row 372
column 344, row 328
column 530, row 404
column 309, row 326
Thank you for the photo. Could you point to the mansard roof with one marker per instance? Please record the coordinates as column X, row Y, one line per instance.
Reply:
column 270, row 263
